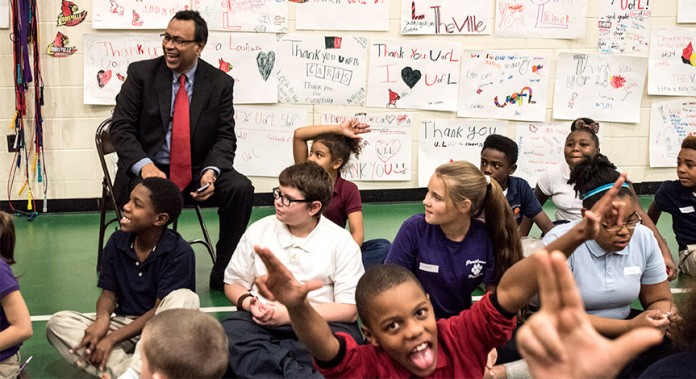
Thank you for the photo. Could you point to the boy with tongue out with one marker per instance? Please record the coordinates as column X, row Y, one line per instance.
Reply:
column 398, row 319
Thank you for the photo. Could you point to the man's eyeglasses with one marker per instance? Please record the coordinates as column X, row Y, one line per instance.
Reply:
column 630, row 224
column 176, row 40
column 286, row 201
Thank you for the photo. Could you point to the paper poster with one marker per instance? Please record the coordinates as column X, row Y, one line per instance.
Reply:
column 4, row 14
column 540, row 147
column 342, row 15
column 107, row 56
column 264, row 138
column 541, row 18
column 250, row 59
column 686, row 11
column 386, row 149
column 413, row 74
column 321, row 69
column 446, row 17
column 135, row 14
column 672, row 62
column 670, row 123
column 602, row 87
column 244, row 15
column 446, row 140
column 504, row 85
column 624, row 27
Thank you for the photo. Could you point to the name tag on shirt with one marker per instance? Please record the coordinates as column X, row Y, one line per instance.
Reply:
column 429, row 268
column 687, row 210
column 632, row 270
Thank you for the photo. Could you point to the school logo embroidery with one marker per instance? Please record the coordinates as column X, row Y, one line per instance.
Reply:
column 476, row 268
column 59, row 47
column 69, row 15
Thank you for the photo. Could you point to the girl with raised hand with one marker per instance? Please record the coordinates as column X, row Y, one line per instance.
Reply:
column 331, row 148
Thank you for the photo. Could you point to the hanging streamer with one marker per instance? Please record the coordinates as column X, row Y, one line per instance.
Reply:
column 29, row 160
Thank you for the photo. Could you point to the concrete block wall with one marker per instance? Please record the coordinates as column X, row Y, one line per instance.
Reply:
column 72, row 163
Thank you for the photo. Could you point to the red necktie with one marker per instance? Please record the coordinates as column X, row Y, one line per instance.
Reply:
column 180, row 152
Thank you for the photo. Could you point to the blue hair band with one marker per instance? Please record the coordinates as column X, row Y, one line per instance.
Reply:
column 599, row 189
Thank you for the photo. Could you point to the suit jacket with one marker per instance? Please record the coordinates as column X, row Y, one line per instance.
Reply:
column 142, row 115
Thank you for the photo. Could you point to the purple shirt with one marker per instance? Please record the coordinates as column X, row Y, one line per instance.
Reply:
column 8, row 284
column 448, row 270
column 345, row 200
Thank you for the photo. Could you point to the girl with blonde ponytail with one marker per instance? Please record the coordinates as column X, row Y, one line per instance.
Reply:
column 449, row 248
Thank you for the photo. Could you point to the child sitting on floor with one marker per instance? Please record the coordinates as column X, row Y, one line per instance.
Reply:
column 15, row 323
column 678, row 198
column 183, row 343
column 398, row 319
column 262, row 343
column 331, row 149
column 146, row 269
column 499, row 161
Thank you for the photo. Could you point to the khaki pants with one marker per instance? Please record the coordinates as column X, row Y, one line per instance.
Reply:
column 66, row 329
column 9, row 368
column 687, row 260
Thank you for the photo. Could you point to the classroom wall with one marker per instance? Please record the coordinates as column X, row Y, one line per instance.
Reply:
column 73, row 167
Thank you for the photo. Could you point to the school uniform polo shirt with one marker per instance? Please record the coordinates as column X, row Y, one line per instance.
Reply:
column 328, row 253
column 520, row 196
column 680, row 202
column 449, row 271
column 138, row 285
column 345, row 200
column 610, row 282
column 554, row 183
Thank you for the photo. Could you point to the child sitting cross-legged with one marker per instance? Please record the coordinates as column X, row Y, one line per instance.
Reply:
column 398, row 319
column 146, row 269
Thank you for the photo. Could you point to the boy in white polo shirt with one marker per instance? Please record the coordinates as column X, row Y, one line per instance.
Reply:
column 261, row 340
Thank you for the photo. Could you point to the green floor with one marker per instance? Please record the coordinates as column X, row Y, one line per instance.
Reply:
column 56, row 255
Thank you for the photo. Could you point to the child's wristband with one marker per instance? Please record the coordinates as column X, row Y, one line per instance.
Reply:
column 240, row 301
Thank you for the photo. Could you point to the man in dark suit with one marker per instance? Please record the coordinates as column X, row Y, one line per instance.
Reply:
column 144, row 132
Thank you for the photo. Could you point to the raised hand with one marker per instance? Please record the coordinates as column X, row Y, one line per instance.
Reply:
column 607, row 211
column 282, row 284
column 352, row 128
column 559, row 341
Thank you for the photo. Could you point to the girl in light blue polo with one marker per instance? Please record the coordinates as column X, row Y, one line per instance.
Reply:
column 620, row 265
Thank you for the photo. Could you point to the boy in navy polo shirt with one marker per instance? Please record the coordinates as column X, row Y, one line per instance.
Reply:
column 499, row 161
column 146, row 269
column 678, row 198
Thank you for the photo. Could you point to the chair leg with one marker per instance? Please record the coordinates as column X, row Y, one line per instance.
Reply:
column 208, row 242
column 102, row 228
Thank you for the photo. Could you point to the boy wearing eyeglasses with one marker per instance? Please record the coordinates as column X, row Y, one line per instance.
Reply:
column 261, row 340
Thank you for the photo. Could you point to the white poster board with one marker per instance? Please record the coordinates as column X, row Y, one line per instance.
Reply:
column 541, row 18
column 540, row 147
column 135, row 14
column 504, row 85
column 672, row 62
column 342, row 15
column 386, row 149
column 321, row 69
column 250, row 59
column 446, row 17
column 602, row 87
column 413, row 74
column 106, row 60
column 264, row 138
column 686, row 11
column 445, row 140
column 670, row 123
column 624, row 27
column 4, row 14
column 244, row 15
